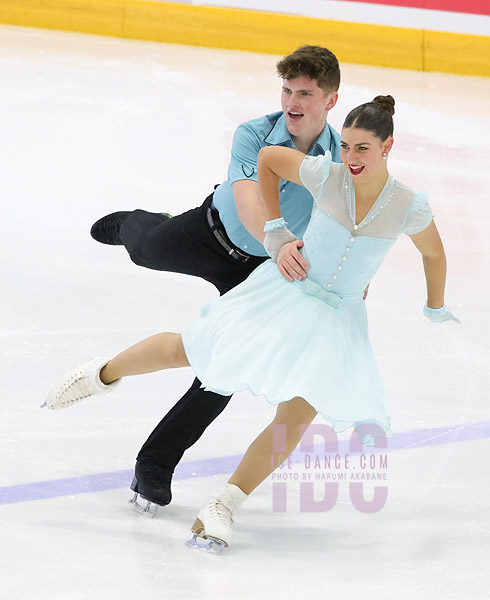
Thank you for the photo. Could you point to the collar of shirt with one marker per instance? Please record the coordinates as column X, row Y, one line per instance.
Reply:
column 280, row 136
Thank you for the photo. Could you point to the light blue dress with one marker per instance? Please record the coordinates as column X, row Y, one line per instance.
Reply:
column 282, row 339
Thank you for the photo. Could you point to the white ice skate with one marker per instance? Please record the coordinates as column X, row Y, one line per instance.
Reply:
column 214, row 522
column 78, row 384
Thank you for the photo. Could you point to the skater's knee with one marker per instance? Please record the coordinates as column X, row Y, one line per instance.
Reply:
column 294, row 413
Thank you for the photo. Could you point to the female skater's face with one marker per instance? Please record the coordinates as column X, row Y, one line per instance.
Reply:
column 362, row 153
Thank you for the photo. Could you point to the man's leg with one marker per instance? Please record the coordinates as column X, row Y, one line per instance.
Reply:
column 181, row 427
column 174, row 245
column 183, row 244
column 106, row 230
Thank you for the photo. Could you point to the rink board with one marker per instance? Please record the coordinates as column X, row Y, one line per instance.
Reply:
column 267, row 32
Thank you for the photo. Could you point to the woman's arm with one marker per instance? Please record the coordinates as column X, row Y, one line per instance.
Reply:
column 249, row 207
column 430, row 246
column 274, row 163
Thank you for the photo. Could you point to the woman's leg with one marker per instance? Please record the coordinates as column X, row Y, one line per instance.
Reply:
column 259, row 461
column 98, row 377
column 214, row 521
column 160, row 351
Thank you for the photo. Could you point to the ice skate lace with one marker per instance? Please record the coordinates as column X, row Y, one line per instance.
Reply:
column 74, row 390
column 218, row 510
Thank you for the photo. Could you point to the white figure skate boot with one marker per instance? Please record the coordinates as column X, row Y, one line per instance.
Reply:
column 215, row 519
column 78, row 384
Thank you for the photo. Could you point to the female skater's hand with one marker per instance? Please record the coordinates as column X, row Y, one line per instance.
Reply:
column 291, row 262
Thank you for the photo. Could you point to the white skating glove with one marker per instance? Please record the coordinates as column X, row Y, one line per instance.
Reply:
column 439, row 315
column 276, row 235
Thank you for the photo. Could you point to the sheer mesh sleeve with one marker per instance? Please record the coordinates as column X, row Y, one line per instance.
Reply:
column 314, row 171
column 419, row 215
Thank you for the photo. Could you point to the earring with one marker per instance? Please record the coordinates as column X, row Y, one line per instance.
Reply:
column 385, row 155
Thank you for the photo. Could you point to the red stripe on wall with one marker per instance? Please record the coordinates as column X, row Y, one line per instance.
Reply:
column 477, row 7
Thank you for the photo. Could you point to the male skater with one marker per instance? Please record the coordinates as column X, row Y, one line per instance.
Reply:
column 221, row 241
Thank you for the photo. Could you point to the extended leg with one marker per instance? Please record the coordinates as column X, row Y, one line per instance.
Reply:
column 183, row 244
column 101, row 375
column 158, row 352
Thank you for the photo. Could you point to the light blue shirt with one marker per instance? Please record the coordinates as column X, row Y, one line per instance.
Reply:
column 296, row 201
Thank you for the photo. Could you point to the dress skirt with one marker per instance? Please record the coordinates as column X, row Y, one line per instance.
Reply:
column 270, row 337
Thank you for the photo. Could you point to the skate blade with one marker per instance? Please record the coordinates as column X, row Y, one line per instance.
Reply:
column 208, row 544
column 150, row 510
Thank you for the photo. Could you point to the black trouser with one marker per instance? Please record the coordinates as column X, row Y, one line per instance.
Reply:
column 183, row 244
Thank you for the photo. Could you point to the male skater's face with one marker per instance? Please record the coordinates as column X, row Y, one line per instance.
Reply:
column 305, row 107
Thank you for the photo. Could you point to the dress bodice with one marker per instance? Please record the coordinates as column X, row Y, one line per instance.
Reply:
column 344, row 255
column 339, row 261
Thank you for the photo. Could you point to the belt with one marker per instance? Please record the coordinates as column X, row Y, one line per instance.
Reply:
column 219, row 232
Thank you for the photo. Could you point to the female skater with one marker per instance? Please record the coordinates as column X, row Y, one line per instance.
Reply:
column 302, row 344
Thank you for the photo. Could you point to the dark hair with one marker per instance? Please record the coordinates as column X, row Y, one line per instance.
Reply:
column 314, row 62
column 375, row 116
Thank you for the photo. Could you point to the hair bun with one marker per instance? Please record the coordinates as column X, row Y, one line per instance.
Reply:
column 387, row 102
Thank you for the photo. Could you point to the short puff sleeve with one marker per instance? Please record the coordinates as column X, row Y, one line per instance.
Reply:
column 314, row 171
column 419, row 215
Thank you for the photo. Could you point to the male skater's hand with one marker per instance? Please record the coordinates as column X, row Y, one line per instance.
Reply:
column 291, row 262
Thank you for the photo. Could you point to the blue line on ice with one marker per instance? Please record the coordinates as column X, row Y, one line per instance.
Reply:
column 42, row 490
